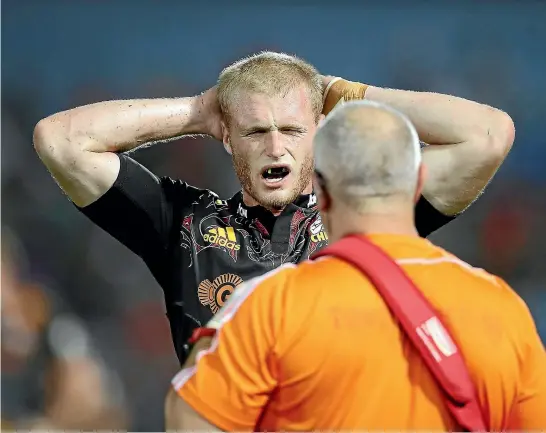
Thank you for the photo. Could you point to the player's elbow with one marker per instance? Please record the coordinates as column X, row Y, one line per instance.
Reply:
column 501, row 135
column 504, row 134
column 55, row 142
column 41, row 135
column 48, row 137
column 495, row 139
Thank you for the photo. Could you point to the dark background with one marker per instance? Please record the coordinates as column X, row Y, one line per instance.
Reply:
column 85, row 343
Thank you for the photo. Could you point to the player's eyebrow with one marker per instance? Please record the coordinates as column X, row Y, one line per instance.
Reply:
column 255, row 128
column 260, row 128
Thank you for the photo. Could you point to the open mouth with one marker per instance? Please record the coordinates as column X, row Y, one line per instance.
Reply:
column 275, row 174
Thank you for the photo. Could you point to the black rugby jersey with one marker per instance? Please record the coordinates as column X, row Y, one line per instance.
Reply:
column 200, row 247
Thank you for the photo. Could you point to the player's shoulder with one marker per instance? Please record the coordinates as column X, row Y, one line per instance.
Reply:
column 428, row 219
column 178, row 190
column 131, row 177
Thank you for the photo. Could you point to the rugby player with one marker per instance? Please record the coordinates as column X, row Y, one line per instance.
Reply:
column 265, row 109
column 316, row 348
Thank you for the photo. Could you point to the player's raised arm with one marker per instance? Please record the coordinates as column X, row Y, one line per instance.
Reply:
column 468, row 143
column 78, row 146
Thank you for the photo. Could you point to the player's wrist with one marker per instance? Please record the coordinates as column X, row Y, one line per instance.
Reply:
column 205, row 114
column 197, row 120
column 338, row 89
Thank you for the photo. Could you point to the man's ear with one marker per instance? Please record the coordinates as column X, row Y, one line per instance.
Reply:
column 421, row 178
column 321, row 120
column 324, row 201
column 225, row 137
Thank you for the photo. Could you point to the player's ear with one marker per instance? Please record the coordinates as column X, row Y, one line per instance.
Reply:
column 225, row 137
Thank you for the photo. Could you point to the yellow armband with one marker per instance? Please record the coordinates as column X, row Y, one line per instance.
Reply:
column 342, row 90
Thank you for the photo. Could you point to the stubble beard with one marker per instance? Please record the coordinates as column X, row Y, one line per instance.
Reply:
column 274, row 200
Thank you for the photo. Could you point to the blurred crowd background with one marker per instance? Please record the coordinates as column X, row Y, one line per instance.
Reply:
column 85, row 341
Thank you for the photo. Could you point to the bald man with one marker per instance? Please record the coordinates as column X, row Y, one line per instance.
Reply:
column 314, row 347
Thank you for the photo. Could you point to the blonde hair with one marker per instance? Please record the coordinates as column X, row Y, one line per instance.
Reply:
column 271, row 74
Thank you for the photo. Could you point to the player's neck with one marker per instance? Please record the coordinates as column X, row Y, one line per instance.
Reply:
column 394, row 222
column 250, row 201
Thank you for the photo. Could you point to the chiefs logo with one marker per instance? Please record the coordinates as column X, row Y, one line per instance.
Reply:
column 317, row 231
column 215, row 294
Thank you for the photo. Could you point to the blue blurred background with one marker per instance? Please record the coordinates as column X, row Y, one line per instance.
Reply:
column 85, row 342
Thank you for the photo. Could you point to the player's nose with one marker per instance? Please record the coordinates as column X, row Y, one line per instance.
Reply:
column 274, row 145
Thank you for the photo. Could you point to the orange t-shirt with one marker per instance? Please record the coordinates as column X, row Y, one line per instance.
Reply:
column 314, row 347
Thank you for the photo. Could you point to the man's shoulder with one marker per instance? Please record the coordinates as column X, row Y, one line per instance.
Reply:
column 280, row 276
column 310, row 276
column 267, row 285
column 327, row 265
column 484, row 285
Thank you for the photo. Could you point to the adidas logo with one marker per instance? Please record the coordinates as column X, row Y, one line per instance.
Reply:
column 223, row 237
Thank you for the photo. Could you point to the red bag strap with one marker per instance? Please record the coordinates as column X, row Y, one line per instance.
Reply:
column 420, row 322
column 199, row 333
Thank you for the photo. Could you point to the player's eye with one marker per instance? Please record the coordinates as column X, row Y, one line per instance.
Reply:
column 292, row 131
column 256, row 132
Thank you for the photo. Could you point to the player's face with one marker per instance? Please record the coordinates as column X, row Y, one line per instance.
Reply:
column 271, row 141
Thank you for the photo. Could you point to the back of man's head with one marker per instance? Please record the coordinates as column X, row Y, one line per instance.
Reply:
column 269, row 73
column 368, row 153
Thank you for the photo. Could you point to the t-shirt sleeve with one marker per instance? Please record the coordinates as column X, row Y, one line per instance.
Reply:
column 231, row 381
column 428, row 219
column 139, row 210
column 529, row 411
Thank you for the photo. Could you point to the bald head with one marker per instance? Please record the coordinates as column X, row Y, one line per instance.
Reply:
column 365, row 150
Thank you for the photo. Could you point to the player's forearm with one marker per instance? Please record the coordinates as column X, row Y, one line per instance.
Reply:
column 118, row 126
column 441, row 119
